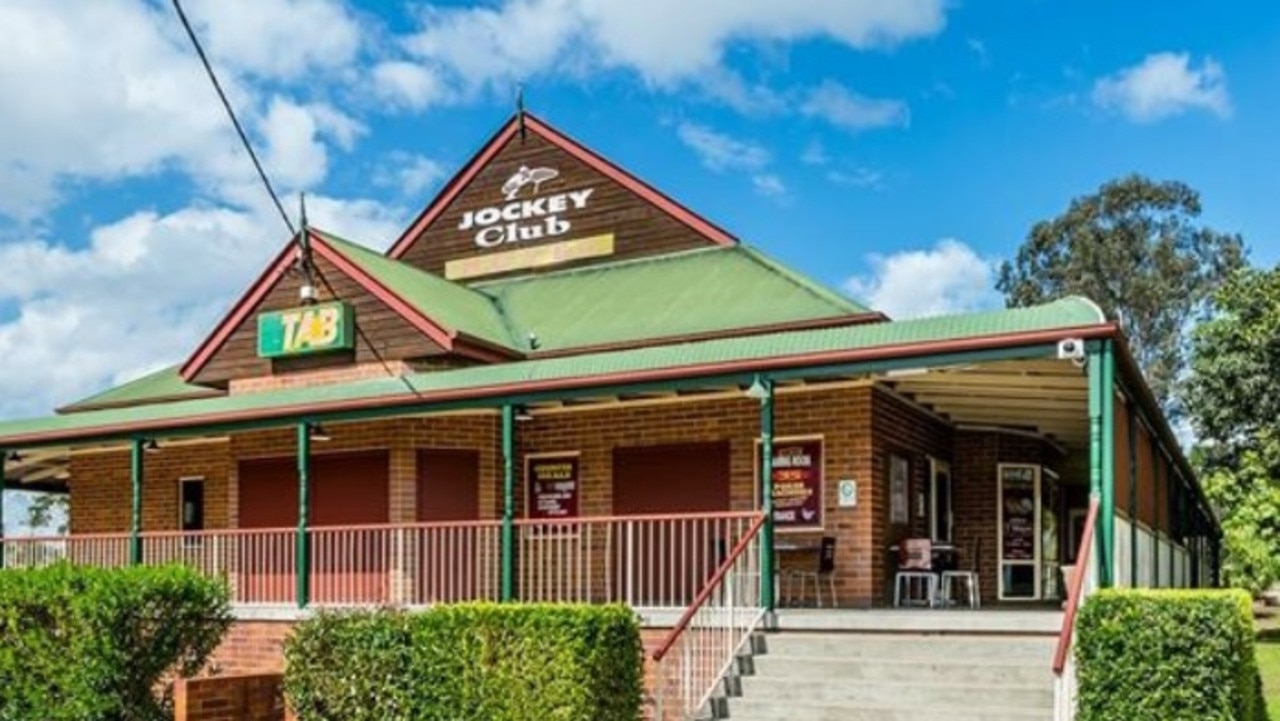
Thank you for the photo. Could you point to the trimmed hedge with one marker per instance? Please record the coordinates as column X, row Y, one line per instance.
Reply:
column 470, row 662
column 1167, row 655
column 88, row 644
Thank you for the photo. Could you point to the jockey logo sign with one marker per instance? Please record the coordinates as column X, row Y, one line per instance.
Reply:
column 535, row 218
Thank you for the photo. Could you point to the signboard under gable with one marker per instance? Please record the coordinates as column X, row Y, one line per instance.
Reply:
column 306, row 330
column 533, row 205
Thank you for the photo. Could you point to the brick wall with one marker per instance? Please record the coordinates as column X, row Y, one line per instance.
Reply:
column 861, row 428
column 257, row 697
column 251, row 647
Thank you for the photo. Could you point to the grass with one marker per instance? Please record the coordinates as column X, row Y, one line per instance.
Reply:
column 1269, row 658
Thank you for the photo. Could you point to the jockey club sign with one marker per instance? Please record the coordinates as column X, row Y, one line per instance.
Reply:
column 518, row 220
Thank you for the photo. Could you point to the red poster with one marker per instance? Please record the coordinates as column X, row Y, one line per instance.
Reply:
column 797, row 484
column 553, row 487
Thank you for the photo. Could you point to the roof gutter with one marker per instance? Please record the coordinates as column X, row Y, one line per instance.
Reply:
column 862, row 360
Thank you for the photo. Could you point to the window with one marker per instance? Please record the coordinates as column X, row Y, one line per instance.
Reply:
column 191, row 504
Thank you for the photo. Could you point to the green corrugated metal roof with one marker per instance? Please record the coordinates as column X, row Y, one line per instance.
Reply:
column 455, row 306
column 164, row 384
column 697, row 291
column 1066, row 313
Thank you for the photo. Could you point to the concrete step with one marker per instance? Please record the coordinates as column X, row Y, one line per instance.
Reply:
column 826, row 712
column 1025, row 649
column 947, row 670
column 921, row 693
column 902, row 676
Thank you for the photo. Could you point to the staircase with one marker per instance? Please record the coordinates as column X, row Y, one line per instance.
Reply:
column 974, row 672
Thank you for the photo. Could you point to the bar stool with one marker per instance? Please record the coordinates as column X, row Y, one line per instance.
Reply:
column 968, row 576
column 915, row 565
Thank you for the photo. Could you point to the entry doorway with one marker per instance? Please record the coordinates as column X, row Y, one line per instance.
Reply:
column 659, row 564
column 1028, row 533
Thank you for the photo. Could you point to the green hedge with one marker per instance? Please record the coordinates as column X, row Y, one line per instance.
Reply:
column 1167, row 655
column 472, row 662
column 86, row 644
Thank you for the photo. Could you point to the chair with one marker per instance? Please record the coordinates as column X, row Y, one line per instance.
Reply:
column 826, row 570
column 969, row 576
column 915, row 565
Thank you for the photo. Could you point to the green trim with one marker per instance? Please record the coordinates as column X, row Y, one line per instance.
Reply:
column 1095, row 375
column 136, row 470
column 767, row 585
column 302, row 548
column 508, row 503
column 1023, row 352
column 1108, row 459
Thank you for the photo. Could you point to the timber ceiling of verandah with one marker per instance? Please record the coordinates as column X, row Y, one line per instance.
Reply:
column 1048, row 397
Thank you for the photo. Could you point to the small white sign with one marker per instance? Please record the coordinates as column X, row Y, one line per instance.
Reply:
column 847, row 493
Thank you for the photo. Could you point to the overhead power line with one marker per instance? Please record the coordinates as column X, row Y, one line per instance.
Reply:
column 226, row 104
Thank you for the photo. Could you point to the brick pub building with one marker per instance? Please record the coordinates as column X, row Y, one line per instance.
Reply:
column 561, row 384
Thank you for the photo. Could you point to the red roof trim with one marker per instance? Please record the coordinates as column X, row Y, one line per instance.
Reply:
column 592, row 159
column 438, row 333
column 238, row 313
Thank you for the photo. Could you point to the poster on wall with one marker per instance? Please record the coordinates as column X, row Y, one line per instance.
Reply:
column 1018, row 509
column 797, row 484
column 553, row 486
column 899, row 473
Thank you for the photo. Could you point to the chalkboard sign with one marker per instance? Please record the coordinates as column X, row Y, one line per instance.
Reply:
column 1018, row 508
column 553, row 487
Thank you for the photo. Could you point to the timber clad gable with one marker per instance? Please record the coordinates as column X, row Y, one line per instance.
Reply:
column 637, row 220
column 383, row 329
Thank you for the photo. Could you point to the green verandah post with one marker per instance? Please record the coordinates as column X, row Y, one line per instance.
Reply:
column 508, row 503
column 302, row 541
column 1108, row 509
column 767, row 590
column 1102, row 452
column 136, row 469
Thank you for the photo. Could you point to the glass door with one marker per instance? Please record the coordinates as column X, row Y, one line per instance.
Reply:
column 1019, row 518
column 1050, row 535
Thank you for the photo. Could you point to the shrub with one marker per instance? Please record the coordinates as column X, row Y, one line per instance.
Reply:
column 471, row 662
column 86, row 644
column 1167, row 655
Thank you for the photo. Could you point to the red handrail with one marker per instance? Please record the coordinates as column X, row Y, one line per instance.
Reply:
column 1077, row 588
column 707, row 590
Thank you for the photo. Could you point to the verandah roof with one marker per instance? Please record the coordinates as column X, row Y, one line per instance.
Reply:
column 793, row 349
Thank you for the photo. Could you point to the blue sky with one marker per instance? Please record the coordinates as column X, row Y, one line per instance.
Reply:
column 897, row 150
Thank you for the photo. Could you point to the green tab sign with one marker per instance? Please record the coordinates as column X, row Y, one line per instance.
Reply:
column 302, row 331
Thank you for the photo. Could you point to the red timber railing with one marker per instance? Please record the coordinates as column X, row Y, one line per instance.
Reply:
column 704, row 644
column 656, row 562
column 642, row 561
column 1064, row 684
column 105, row 550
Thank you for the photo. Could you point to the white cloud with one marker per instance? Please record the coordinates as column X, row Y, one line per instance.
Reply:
column 1163, row 85
column 281, row 39
column 948, row 278
column 407, row 84
column 720, row 152
column 769, row 184
column 142, row 294
column 723, row 153
column 815, row 153
column 494, row 47
column 846, row 109
column 78, row 108
column 409, row 174
column 857, row 177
